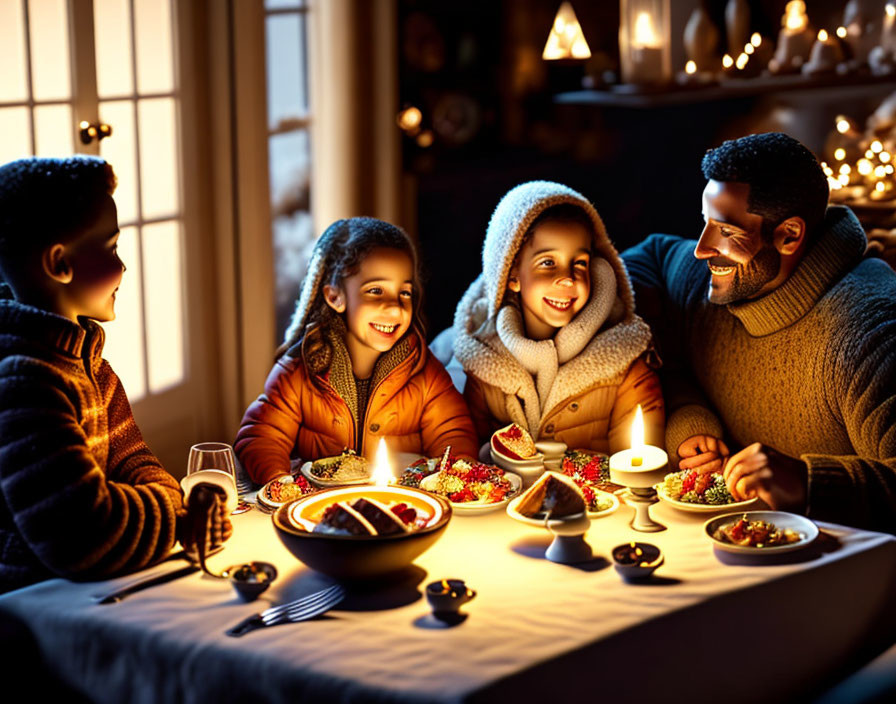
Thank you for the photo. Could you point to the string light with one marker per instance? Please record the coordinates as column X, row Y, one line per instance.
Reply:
column 690, row 68
column 839, row 153
column 727, row 61
column 842, row 125
column 876, row 146
column 756, row 40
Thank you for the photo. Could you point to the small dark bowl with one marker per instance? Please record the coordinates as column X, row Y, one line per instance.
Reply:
column 251, row 579
column 631, row 569
column 358, row 557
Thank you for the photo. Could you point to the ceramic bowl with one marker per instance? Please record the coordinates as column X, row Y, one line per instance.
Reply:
column 358, row 557
column 447, row 595
column 651, row 557
column 251, row 579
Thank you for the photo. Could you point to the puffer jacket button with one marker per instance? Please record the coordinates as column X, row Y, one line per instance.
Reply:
column 374, row 427
column 549, row 428
column 574, row 406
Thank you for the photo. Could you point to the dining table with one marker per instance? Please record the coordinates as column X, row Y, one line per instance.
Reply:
column 708, row 625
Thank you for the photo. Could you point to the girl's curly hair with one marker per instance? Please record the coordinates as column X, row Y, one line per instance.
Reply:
column 338, row 254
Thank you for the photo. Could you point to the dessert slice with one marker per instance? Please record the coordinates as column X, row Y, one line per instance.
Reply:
column 514, row 442
column 384, row 521
column 342, row 519
column 553, row 495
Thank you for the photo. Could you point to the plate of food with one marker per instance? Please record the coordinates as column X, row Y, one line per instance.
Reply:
column 342, row 470
column 470, row 487
column 282, row 489
column 698, row 493
column 760, row 532
column 591, row 473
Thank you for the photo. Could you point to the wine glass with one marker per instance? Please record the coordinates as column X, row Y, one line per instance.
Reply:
column 212, row 455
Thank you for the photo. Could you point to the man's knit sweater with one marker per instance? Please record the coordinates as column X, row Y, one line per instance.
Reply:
column 808, row 369
column 81, row 495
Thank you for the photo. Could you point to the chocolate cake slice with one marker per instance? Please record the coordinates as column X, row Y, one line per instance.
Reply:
column 553, row 495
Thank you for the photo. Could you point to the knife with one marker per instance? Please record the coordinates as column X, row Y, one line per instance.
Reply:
column 146, row 583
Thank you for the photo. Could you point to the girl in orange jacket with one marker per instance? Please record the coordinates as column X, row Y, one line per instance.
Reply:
column 354, row 366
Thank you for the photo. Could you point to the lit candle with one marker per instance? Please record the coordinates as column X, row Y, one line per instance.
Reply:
column 642, row 465
column 638, row 438
column 794, row 40
column 645, row 63
column 888, row 34
column 826, row 54
column 382, row 468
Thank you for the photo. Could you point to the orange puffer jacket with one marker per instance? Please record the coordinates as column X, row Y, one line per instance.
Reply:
column 415, row 407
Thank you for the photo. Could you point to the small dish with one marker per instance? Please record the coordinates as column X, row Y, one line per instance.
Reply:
column 322, row 483
column 807, row 530
column 634, row 561
column 606, row 511
column 265, row 500
column 700, row 508
column 251, row 579
column 446, row 596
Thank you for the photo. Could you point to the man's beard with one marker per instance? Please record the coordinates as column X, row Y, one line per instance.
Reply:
column 748, row 279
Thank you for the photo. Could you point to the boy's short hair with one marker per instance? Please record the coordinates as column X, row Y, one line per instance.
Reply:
column 565, row 213
column 44, row 200
column 785, row 178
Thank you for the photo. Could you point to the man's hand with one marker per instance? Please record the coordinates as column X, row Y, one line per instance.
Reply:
column 207, row 523
column 760, row 470
column 704, row 453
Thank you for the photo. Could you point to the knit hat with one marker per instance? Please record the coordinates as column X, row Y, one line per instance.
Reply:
column 511, row 220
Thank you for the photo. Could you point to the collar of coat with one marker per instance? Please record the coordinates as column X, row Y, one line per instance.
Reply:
column 839, row 248
column 53, row 331
column 607, row 341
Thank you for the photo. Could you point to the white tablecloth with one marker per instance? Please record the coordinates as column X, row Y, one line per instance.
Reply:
column 706, row 628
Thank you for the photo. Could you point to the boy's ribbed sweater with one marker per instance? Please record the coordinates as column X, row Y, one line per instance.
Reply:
column 81, row 495
column 809, row 369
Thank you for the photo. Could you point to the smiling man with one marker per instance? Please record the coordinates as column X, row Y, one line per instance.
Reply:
column 779, row 339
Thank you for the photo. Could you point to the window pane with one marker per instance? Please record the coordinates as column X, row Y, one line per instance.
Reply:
column 13, row 86
column 283, row 4
column 112, row 30
column 124, row 335
column 155, row 64
column 158, row 157
column 53, row 130
column 120, row 150
column 287, row 92
column 50, row 72
column 164, row 300
column 15, row 134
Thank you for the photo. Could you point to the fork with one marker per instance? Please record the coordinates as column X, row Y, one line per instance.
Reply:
column 292, row 612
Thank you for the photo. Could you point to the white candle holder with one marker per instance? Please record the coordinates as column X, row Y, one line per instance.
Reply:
column 639, row 470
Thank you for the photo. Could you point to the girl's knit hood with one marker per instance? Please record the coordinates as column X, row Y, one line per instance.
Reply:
column 596, row 347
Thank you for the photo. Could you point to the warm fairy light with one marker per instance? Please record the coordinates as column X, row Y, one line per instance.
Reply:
column 382, row 469
column 410, row 118
column 876, row 146
column 869, row 154
column 879, row 187
column 839, row 153
column 424, row 139
column 690, row 67
column 566, row 40
column 822, row 35
column 727, row 61
column 834, row 184
column 795, row 18
column 842, row 125
column 638, row 438
column 889, row 168
column 742, row 61
column 841, row 32
column 749, row 49
column 84, row 124
column 891, row 10
column 756, row 39
column 880, row 171
column 864, row 167
column 645, row 35
column 884, row 156
column 845, row 169
column 844, row 179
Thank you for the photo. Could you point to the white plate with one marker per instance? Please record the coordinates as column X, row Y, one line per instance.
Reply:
column 474, row 509
column 807, row 529
column 266, row 503
column 700, row 508
column 305, row 469
column 606, row 511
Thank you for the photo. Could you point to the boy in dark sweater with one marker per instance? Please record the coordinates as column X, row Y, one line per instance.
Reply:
column 81, row 495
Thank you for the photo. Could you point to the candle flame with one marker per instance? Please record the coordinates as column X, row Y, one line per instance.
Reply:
column 795, row 18
column 382, row 469
column 632, row 544
column 644, row 34
column 638, row 437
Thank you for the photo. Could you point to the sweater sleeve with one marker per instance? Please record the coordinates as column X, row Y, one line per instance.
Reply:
column 640, row 386
column 81, row 519
column 666, row 280
column 860, row 489
column 271, row 425
column 483, row 422
column 445, row 419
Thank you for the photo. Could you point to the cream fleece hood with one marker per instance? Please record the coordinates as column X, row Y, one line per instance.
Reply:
column 596, row 348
